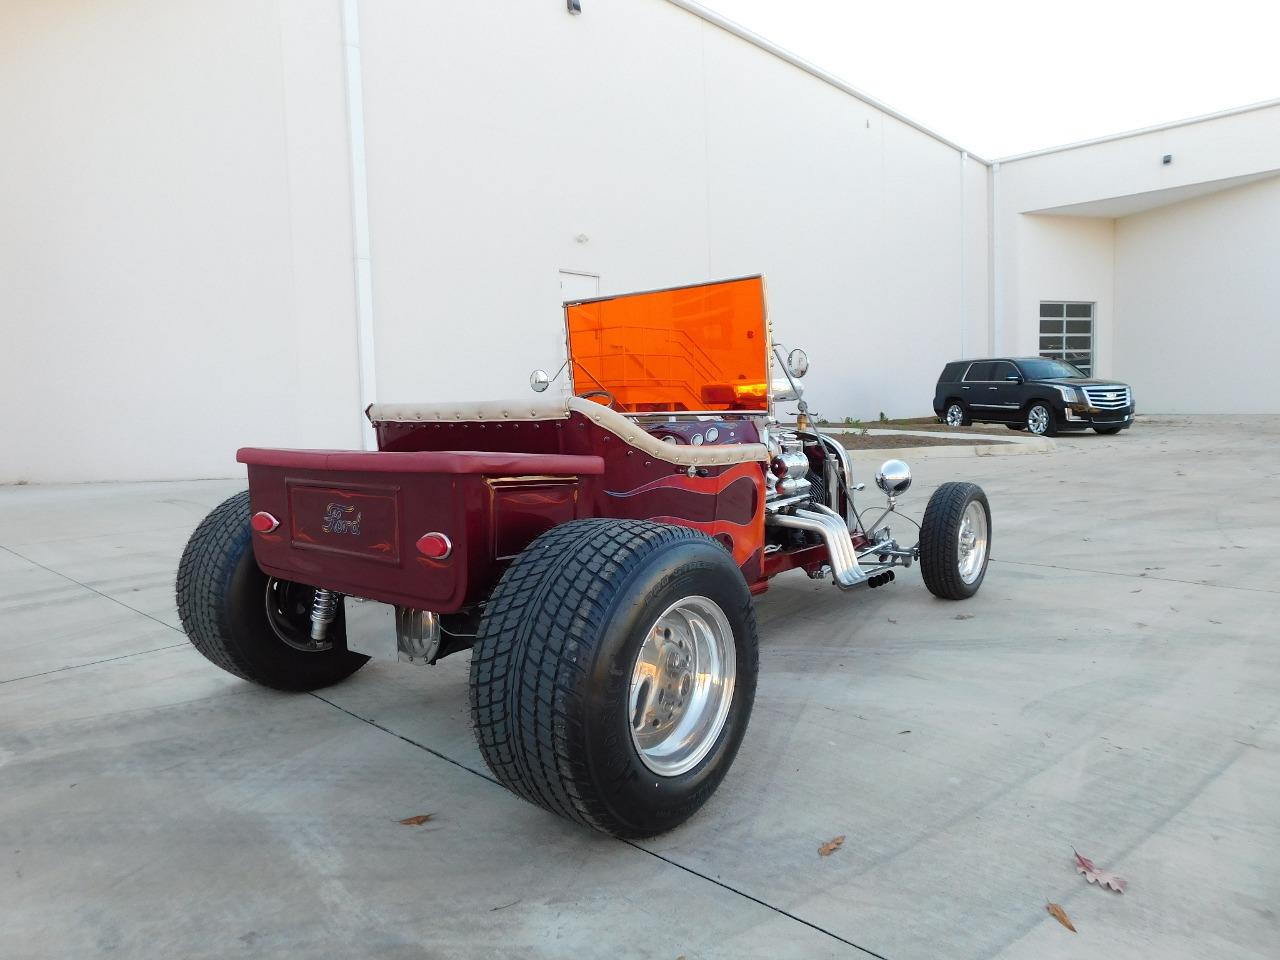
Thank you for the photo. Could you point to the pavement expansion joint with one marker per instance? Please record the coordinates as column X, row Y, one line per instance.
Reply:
column 631, row 843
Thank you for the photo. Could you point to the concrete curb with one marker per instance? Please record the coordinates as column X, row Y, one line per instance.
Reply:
column 1004, row 445
column 1039, row 445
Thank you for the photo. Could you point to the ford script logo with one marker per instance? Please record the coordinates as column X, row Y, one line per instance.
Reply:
column 341, row 519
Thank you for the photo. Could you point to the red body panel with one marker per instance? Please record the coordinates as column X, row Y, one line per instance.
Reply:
column 349, row 520
column 458, row 461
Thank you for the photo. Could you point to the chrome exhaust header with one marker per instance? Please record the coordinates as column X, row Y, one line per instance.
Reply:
column 822, row 520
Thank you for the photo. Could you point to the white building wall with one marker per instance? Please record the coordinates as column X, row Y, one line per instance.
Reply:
column 1198, row 290
column 977, row 279
column 1070, row 224
column 176, row 253
column 1240, row 143
column 499, row 136
column 1060, row 258
column 174, row 237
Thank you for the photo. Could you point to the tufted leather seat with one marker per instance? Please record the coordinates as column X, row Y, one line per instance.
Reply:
column 560, row 409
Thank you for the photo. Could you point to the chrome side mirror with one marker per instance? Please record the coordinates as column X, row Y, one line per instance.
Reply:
column 797, row 363
column 893, row 477
column 539, row 380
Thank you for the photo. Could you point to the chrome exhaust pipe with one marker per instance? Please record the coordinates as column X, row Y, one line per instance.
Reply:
column 829, row 525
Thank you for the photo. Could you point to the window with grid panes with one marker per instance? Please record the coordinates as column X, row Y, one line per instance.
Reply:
column 1066, row 333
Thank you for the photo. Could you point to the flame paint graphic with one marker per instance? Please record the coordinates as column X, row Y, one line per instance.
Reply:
column 746, row 535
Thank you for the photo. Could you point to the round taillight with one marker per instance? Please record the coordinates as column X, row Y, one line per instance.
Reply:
column 435, row 546
column 263, row 522
column 778, row 467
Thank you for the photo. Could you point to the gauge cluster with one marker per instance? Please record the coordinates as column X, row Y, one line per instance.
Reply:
column 697, row 433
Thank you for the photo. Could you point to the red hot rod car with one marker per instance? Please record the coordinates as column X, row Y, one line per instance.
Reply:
column 597, row 552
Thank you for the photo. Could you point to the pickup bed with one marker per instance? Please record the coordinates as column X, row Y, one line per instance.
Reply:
column 350, row 521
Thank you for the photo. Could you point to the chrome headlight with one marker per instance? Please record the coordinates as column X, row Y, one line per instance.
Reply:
column 893, row 477
column 1070, row 394
column 784, row 389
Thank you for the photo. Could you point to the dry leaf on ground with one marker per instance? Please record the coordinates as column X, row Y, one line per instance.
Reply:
column 417, row 821
column 1101, row 878
column 831, row 846
column 1060, row 915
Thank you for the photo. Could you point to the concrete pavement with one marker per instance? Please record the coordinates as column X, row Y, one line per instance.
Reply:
column 1115, row 688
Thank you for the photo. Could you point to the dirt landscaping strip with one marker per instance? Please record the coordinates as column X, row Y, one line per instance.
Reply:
column 889, row 441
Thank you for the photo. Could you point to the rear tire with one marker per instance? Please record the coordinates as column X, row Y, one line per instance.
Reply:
column 554, row 698
column 223, row 603
column 957, row 512
column 956, row 414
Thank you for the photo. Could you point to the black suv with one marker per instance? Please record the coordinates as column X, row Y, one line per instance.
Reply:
column 1032, row 393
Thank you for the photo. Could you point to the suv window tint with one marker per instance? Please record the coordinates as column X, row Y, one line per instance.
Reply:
column 980, row 371
column 1049, row 370
column 952, row 372
column 1002, row 370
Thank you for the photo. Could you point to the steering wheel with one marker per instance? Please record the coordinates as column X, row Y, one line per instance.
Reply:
column 612, row 404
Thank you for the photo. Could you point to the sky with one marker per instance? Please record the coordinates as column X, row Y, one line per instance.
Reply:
column 1000, row 77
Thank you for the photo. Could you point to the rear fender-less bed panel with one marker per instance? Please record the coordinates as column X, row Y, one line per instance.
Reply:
column 350, row 521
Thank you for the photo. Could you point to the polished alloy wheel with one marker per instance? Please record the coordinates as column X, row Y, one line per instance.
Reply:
column 973, row 541
column 955, row 415
column 289, row 614
column 682, row 686
column 1038, row 420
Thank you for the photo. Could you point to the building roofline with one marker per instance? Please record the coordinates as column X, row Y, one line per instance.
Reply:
column 1233, row 111
column 715, row 19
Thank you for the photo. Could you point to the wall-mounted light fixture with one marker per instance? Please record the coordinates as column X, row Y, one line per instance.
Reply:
column 575, row 6
column 1167, row 159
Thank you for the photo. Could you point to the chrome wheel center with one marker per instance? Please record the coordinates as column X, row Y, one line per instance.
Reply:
column 1038, row 420
column 955, row 416
column 973, row 541
column 682, row 686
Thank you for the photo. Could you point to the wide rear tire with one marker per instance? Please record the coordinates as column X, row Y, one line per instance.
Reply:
column 223, row 600
column 955, row 541
column 559, row 714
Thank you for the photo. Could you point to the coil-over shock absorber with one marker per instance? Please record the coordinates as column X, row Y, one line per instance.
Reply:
column 324, row 608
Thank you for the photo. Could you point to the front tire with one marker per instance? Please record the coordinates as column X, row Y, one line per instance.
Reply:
column 248, row 624
column 1041, row 420
column 955, row 541
column 589, row 657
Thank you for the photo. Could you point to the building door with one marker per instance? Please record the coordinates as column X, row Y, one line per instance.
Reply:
column 1066, row 333
column 574, row 285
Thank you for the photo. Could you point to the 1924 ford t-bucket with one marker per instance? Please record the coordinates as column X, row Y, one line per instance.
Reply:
column 597, row 553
